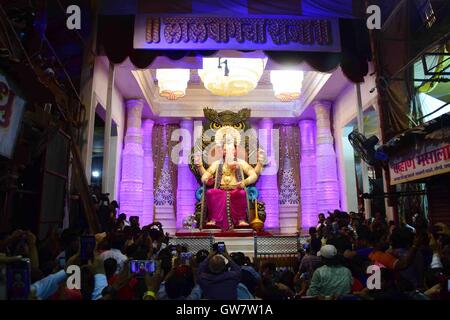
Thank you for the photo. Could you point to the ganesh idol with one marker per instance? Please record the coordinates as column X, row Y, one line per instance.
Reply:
column 227, row 179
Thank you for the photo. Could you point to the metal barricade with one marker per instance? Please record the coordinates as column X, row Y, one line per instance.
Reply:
column 283, row 251
column 194, row 244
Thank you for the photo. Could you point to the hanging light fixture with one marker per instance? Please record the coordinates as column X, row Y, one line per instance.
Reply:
column 231, row 76
column 287, row 84
column 172, row 83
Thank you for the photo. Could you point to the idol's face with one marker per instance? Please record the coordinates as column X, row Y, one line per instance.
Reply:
column 229, row 150
column 233, row 152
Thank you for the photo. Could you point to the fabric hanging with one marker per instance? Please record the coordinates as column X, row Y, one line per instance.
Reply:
column 173, row 162
column 290, row 151
column 116, row 33
column 158, row 154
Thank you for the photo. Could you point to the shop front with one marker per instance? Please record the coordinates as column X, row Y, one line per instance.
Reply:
column 425, row 161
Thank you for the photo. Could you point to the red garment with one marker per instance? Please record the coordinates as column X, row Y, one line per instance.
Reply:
column 67, row 294
column 356, row 285
column 218, row 201
column 127, row 291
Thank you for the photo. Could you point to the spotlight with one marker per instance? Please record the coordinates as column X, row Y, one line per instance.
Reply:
column 49, row 72
column 95, row 174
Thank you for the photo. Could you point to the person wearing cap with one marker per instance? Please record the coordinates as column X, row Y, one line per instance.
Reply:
column 332, row 279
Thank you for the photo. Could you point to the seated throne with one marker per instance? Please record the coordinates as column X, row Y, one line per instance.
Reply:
column 227, row 165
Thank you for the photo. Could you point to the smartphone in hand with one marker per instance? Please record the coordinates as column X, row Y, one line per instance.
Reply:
column 18, row 280
column 140, row 267
column 220, row 247
column 185, row 258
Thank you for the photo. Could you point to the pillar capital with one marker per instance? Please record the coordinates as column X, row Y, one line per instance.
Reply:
column 134, row 103
column 134, row 119
column 307, row 136
column 323, row 123
column 148, row 123
column 266, row 123
column 147, row 130
column 187, row 123
column 324, row 104
column 306, row 123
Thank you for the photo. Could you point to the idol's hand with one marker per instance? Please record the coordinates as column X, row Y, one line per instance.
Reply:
column 262, row 158
column 240, row 185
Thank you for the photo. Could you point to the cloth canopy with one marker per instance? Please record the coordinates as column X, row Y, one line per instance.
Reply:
column 115, row 37
column 308, row 8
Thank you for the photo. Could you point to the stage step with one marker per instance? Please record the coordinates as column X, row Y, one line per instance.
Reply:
column 166, row 215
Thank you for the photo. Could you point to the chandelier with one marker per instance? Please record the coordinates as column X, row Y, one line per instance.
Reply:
column 172, row 83
column 287, row 84
column 231, row 76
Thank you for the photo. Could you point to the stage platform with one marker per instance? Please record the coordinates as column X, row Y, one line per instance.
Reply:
column 220, row 233
column 247, row 241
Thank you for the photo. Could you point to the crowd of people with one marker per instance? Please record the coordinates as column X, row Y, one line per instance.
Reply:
column 130, row 262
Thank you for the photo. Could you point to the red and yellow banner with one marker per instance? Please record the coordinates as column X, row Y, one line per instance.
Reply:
column 425, row 161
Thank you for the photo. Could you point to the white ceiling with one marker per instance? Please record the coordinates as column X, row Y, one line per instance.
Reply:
column 141, row 83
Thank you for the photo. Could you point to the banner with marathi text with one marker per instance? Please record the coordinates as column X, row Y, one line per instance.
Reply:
column 176, row 32
column 11, row 110
column 424, row 161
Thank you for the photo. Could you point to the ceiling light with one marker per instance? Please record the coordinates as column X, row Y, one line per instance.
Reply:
column 231, row 76
column 287, row 84
column 172, row 83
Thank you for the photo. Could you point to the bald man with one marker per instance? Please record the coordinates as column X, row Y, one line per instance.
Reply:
column 214, row 278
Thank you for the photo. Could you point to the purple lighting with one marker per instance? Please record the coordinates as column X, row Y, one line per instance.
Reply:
column 327, row 180
column 186, row 180
column 308, row 173
column 147, row 188
column 131, row 186
column 268, row 181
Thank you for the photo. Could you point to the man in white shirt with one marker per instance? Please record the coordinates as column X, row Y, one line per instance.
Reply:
column 117, row 242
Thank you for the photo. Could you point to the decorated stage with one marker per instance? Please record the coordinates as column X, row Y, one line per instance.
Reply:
column 236, row 233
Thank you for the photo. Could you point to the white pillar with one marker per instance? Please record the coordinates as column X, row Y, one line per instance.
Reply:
column 148, row 201
column 186, row 180
column 268, row 181
column 131, row 187
column 308, row 197
column 327, row 186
